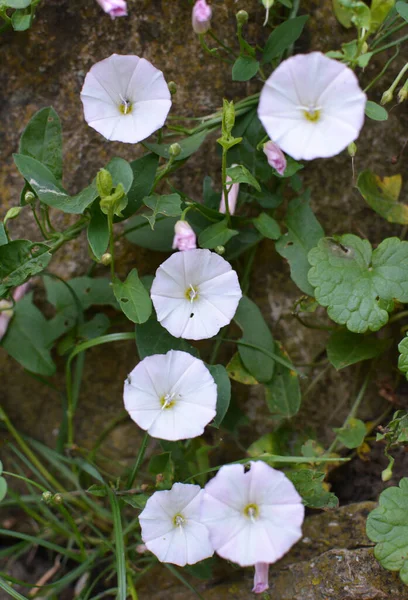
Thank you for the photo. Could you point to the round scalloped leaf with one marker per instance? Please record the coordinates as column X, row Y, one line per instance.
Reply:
column 355, row 283
column 403, row 357
column 387, row 526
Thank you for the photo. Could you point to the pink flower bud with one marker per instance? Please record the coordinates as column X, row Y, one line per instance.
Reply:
column 261, row 583
column 201, row 17
column 275, row 156
column 185, row 238
column 114, row 8
column 5, row 308
column 232, row 197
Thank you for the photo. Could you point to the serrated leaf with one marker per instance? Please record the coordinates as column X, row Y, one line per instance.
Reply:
column 256, row 332
column 403, row 358
column 387, row 526
column 244, row 68
column 133, row 297
column 216, row 235
column 26, row 338
column 267, row 226
column 396, row 432
column 20, row 260
column 375, row 111
column 223, row 384
column 345, row 348
column 309, row 484
column 42, row 139
column 284, row 36
column 3, row 488
column 152, row 338
column 238, row 372
column 282, row 393
column 240, row 174
column 382, row 195
column 357, row 284
column 353, row 434
column 168, row 205
column 304, row 232
column 188, row 145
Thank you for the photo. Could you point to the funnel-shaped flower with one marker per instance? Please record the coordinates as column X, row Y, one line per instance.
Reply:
column 184, row 238
column 195, row 293
column 201, row 17
column 253, row 516
column 171, row 526
column 312, row 106
column 125, row 98
column 114, row 8
column 172, row 396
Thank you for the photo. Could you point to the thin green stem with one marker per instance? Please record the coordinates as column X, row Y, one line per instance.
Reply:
column 111, row 244
column 138, row 462
column 224, row 184
column 391, row 44
column 119, row 546
column 387, row 34
column 26, row 480
column 387, row 64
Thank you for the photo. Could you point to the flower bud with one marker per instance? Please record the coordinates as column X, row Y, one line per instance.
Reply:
column 232, row 197
column 219, row 250
column 201, row 17
column 228, row 117
column 185, row 238
column 114, row 8
column 261, row 582
column 174, row 150
column 242, row 17
column 403, row 93
column 58, row 499
column 12, row 213
column 352, row 149
column 106, row 259
column 172, row 87
column 104, row 183
column 275, row 156
column 47, row 497
column 386, row 97
column 29, row 197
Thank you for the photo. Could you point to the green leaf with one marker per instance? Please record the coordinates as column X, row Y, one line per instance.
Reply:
column 244, row 68
column 282, row 393
column 216, row 235
column 136, row 500
column 379, row 12
column 26, row 338
column 387, row 526
column 240, row 174
column 144, row 172
column 375, row 112
column 352, row 12
column 382, row 195
column 403, row 358
column 139, row 232
column 402, row 10
column 238, row 372
column 343, row 15
column 20, row 260
column 345, row 348
column 250, row 320
column 309, row 484
column 3, row 236
column 133, row 298
column 169, row 205
column 16, row 3
column 3, row 488
column 21, row 20
column 283, row 37
column 364, row 59
column 152, row 338
column 89, row 291
column 97, row 326
column 223, row 383
column 353, row 434
column 355, row 283
column 396, row 432
column 188, row 145
column 304, row 232
column 121, row 172
column 42, row 140
column 98, row 490
column 98, row 231
column 267, row 226
column 48, row 188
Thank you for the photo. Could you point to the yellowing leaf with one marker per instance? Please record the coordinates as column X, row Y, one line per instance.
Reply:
column 238, row 372
column 382, row 195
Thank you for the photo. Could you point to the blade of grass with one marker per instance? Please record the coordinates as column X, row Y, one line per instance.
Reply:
column 5, row 586
column 38, row 541
column 119, row 546
column 179, row 576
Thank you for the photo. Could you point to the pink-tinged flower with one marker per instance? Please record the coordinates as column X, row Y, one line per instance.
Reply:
column 275, row 156
column 171, row 526
column 195, row 293
column 125, row 98
column 261, row 578
column 185, row 238
column 312, row 106
column 201, row 17
column 232, row 196
column 253, row 516
column 173, row 396
column 114, row 8
column 6, row 312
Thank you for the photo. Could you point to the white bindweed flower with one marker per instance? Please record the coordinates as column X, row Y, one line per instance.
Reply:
column 195, row 293
column 312, row 106
column 253, row 516
column 171, row 526
column 172, row 396
column 125, row 98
